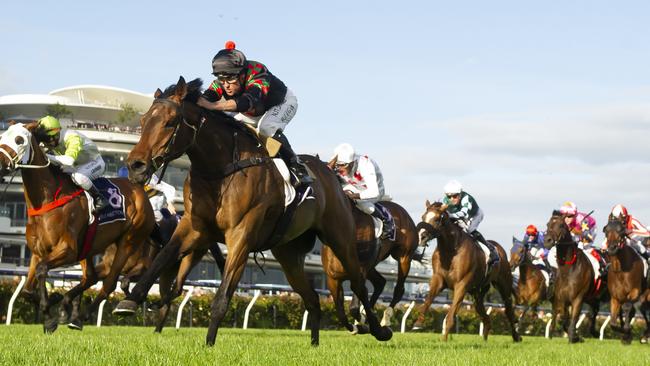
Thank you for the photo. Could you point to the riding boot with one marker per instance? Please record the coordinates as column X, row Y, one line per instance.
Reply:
column 292, row 160
column 387, row 229
column 494, row 256
column 100, row 201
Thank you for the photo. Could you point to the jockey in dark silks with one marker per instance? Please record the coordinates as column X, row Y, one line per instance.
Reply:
column 256, row 97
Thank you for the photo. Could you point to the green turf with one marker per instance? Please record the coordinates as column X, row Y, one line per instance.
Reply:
column 26, row 345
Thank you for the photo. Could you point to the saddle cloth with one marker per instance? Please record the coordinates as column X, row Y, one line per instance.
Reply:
column 589, row 252
column 114, row 211
column 289, row 189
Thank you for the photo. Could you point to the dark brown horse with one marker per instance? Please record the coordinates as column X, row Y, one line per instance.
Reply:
column 55, row 233
column 531, row 285
column 371, row 251
column 460, row 265
column 574, row 280
column 625, row 280
column 234, row 194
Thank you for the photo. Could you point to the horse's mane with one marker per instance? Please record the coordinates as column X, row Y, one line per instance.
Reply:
column 194, row 91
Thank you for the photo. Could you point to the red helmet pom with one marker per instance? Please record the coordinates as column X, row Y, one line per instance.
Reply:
column 531, row 230
column 230, row 45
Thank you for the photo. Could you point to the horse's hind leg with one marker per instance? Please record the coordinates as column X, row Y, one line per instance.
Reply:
column 218, row 257
column 292, row 258
column 644, row 308
column 504, row 286
column 480, row 309
column 378, row 283
column 593, row 313
column 72, row 298
column 435, row 286
column 402, row 272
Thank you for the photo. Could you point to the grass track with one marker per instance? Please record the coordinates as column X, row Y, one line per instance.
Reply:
column 26, row 345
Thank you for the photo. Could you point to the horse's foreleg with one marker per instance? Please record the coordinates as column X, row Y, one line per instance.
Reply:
column 615, row 308
column 235, row 264
column 72, row 298
column 292, row 259
column 644, row 308
column 435, row 286
column 628, row 314
column 165, row 286
column 336, row 290
column 576, row 308
column 459, row 295
column 347, row 255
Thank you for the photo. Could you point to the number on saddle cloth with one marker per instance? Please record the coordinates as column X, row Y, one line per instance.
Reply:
column 114, row 211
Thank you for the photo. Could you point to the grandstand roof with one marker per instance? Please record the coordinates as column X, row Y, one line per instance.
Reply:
column 92, row 103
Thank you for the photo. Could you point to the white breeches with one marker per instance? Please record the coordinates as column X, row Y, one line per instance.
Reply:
column 276, row 118
column 84, row 174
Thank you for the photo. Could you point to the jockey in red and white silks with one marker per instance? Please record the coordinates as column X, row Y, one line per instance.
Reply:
column 361, row 176
column 637, row 233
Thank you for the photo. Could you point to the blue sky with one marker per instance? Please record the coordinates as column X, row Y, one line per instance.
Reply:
column 528, row 104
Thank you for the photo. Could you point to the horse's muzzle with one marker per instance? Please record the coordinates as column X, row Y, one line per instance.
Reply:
column 138, row 171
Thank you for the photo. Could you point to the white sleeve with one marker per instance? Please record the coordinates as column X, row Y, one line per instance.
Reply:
column 61, row 159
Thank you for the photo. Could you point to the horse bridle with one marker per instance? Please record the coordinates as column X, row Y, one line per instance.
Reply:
column 622, row 234
column 161, row 160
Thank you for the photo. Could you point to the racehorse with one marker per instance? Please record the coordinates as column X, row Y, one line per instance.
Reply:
column 371, row 251
column 531, row 285
column 460, row 265
column 58, row 220
column 626, row 280
column 240, row 200
column 574, row 281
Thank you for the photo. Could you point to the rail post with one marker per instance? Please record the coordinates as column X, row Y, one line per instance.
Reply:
column 406, row 315
column 10, row 308
column 179, row 315
column 250, row 306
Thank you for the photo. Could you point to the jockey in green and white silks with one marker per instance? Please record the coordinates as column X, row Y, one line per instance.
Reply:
column 75, row 153
column 463, row 209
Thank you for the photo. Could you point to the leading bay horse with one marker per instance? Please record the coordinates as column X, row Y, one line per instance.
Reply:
column 371, row 251
column 460, row 265
column 58, row 220
column 574, row 280
column 234, row 194
column 530, row 289
column 626, row 280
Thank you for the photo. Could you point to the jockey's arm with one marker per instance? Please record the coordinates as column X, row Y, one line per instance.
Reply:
column 73, row 145
column 465, row 208
column 225, row 105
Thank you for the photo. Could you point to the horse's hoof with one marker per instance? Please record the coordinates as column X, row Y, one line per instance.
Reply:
column 576, row 340
column 75, row 324
column 355, row 330
column 644, row 340
column 125, row 308
column 516, row 338
column 362, row 329
column 417, row 326
column 384, row 334
column 50, row 326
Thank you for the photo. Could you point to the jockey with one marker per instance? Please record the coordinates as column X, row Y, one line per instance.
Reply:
column 582, row 226
column 362, row 181
column 75, row 154
column 533, row 241
column 161, row 195
column 257, row 97
column 463, row 209
column 583, row 230
column 637, row 233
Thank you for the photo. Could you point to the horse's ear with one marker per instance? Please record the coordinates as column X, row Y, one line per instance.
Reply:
column 11, row 122
column 32, row 126
column 181, row 88
column 427, row 204
column 157, row 93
